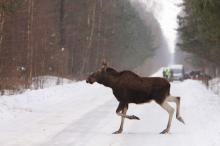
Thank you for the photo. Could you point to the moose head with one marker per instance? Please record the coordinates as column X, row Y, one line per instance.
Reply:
column 98, row 75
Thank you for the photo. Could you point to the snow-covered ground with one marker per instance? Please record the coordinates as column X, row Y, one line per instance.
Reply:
column 79, row 114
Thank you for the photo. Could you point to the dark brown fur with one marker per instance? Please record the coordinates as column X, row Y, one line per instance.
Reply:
column 131, row 88
column 128, row 87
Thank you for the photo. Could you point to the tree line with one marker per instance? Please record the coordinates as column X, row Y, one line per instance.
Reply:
column 200, row 32
column 67, row 38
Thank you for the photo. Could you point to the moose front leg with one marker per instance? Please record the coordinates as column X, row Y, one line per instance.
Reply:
column 124, row 111
column 121, row 111
column 121, row 106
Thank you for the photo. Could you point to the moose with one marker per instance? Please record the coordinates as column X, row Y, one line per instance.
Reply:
column 128, row 87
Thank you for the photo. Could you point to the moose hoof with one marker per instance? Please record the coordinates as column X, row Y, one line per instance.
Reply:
column 165, row 131
column 117, row 132
column 134, row 117
column 180, row 119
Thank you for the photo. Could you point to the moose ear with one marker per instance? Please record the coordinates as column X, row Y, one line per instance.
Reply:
column 104, row 65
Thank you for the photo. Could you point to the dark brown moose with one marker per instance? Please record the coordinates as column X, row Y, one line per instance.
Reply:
column 130, row 88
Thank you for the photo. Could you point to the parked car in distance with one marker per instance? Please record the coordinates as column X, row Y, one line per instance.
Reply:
column 177, row 72
column 187, row 75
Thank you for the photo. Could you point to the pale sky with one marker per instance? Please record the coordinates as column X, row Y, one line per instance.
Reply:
column 166, row 12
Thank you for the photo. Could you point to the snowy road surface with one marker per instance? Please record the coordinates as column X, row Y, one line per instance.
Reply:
column 79, row 114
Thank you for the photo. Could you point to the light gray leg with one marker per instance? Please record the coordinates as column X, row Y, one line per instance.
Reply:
column 124, row 111
column 177, row 101
column 170, row 111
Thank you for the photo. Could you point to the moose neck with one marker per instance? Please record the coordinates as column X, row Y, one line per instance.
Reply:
column 109, row 80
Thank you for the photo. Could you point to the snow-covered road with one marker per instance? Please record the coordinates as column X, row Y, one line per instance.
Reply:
column 79, row 114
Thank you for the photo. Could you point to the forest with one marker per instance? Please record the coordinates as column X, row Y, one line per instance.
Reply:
column 69, row 39
column 200, row 34
column 159, row 84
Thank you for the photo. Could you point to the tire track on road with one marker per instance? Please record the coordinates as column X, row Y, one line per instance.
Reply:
column 80, row 131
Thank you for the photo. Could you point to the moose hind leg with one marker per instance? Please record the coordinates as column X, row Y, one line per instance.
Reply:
column 170, row 111
column 177, row 101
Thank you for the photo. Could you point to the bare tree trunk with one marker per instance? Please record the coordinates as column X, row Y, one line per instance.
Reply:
column 62, row 62
column 99, row 45
column 90, row 38
column 2, row 22
column 30, row 41
column 61, row 24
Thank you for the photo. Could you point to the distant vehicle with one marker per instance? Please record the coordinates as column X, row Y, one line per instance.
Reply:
column 199, row 75
column 195, row 74
column 187, row 75
column 177, row 72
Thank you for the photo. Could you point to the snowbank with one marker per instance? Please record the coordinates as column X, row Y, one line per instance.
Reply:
column 48, row 81
column 40, row 82
column 214, row 85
